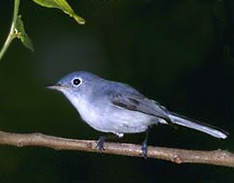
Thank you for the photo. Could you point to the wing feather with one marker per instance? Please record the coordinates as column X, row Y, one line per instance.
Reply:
column 128, row 98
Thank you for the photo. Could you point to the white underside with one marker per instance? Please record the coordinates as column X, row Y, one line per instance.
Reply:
column 110, row 119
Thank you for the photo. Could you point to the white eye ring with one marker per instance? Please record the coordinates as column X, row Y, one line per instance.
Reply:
column 76, row 82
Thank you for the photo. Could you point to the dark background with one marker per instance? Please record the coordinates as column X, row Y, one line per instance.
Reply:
column 179, row 53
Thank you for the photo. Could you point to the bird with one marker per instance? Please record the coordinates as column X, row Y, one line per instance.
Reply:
column 117, row 108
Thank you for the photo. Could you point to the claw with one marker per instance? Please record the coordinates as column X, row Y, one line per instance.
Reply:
column 100, row 143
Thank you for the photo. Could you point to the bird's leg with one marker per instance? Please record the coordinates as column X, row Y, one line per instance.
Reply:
column 100, row 143
column 144, row 146
column 102, row 139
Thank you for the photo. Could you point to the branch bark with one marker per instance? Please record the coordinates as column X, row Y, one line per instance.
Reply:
column 216, row 157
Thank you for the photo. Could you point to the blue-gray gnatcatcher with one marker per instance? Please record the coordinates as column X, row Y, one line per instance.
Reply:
column 117, row 108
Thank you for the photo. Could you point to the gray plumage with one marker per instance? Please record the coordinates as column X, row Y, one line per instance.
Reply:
column 114, row 107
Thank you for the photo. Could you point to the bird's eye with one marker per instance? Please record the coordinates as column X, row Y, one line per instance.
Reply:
column 76, row 82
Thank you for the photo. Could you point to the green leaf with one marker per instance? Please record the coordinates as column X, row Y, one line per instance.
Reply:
column 62, row 5
column 22, row 35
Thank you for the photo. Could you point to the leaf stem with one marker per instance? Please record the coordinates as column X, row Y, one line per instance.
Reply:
column 12, row 33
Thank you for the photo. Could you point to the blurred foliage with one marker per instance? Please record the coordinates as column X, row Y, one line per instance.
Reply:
column 21, row 34
column 17, row 29
column 62, row 5
column 179, row 53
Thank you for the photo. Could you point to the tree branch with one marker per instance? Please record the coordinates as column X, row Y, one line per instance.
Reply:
column 217, row 157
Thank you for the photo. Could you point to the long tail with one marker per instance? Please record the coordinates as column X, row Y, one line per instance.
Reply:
column 180, row 120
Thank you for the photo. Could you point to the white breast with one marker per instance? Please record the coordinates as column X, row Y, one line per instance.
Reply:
column 86, row 111
column 110, row 118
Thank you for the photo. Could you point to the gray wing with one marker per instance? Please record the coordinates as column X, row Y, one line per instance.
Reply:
column 126, row 97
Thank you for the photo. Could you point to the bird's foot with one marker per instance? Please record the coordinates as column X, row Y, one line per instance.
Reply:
column 100, row 143
column 144, row 149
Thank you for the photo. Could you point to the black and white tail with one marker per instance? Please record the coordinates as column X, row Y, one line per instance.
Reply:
column 182, row 121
